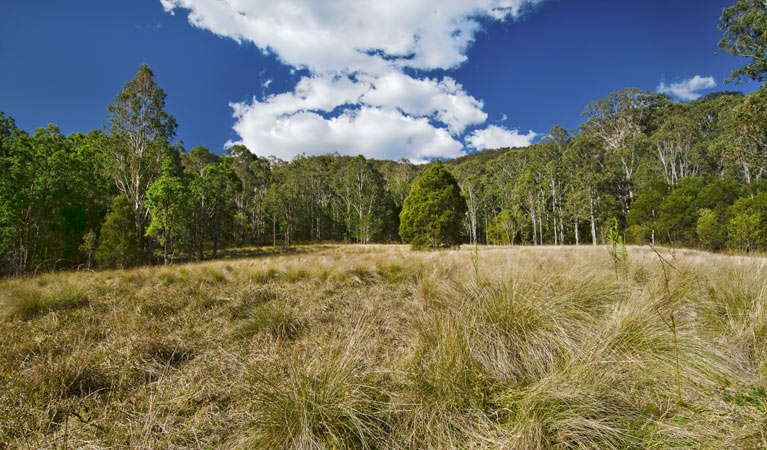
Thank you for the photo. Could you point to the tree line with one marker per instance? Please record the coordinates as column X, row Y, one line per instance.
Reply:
column 670, row 173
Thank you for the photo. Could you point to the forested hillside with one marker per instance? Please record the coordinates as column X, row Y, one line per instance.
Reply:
column 671, row 173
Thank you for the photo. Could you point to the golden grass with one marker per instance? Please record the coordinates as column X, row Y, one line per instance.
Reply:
column 379, row 347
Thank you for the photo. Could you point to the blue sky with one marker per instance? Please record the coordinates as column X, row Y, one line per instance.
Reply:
column 386, row 79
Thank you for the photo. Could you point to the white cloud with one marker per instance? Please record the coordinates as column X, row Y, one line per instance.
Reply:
column 403, row 104
column 445, row 100
column 499, row 137
column 688, row 89
column 352, row 35
column 357, row 52
column 373, row 132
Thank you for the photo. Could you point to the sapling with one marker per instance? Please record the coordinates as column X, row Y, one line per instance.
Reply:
column 617, row 248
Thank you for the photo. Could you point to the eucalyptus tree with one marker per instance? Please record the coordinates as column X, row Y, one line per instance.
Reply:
column 469, row 176
column 617, row 121
column 196, row 164
column 745, row 34
column 675, row 142
column 746, row 144
column 552, row 151
column 140, row 129
column 365, row 196
column 250, row 198
column 168, row 201
column 591, row 180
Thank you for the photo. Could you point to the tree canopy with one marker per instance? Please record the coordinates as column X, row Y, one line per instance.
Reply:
column 745, row 34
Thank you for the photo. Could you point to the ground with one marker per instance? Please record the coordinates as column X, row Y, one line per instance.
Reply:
column 377, row 346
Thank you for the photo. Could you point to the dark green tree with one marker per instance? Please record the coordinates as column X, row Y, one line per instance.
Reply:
column 432, row 215
column 118, row 246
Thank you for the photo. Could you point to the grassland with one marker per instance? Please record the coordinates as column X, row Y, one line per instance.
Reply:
column 379, row 347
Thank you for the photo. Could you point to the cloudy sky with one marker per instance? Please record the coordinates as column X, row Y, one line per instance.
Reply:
column 387, row 79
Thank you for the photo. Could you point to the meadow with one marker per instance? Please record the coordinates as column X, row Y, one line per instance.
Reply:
column 379, row 347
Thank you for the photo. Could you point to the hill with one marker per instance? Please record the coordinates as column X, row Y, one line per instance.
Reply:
column 380, row 347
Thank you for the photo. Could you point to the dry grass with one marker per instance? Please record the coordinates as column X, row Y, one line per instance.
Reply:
column 378, row 347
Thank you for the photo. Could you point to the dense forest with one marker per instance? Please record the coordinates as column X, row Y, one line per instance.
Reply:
column 664, row 172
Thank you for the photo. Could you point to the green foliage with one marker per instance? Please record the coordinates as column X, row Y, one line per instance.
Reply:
column 678, row 214
column 433, row 212
column 167, row 201
column 118, row 244
column 140, row 132
column 670, row 171
column 365, row 198
column 51, row 195
column 711, row 229
column 745, row 34
column 504, row 227
column 617, row 248
column 747, row 226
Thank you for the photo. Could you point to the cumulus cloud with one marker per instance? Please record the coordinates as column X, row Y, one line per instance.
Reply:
column 353, row 35
column 446, row 100
column 374, row 132
column 499, row 137
column 357, row 53
column 688, row 89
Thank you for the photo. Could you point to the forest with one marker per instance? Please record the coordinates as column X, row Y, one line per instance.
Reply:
column 670, row 173
column 659, row 171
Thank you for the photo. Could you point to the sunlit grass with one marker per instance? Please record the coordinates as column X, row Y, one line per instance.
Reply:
column 379, row 347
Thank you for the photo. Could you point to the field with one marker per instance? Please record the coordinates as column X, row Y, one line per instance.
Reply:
column 383, row 348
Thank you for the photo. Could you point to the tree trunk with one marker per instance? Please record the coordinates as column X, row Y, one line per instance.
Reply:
column 577, row 239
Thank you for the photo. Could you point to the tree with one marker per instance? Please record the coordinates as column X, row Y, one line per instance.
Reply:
column 710, row 230
column 618, row 120
column 140, row 130
column 747, row 226
column 364, row 194
column 167, row 200
column 642, row 220
column 118, row 246
column 433, row 212
column 745, row 34
column 504, row 227
column 746, row 143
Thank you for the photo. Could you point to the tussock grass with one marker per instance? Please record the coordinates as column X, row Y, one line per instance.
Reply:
column 273, row 318
column 379, row 347
column 30, row 300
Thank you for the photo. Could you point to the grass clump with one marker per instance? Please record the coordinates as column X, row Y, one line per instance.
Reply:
column 273, row 318
column 316, row 402
column 28, row 301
